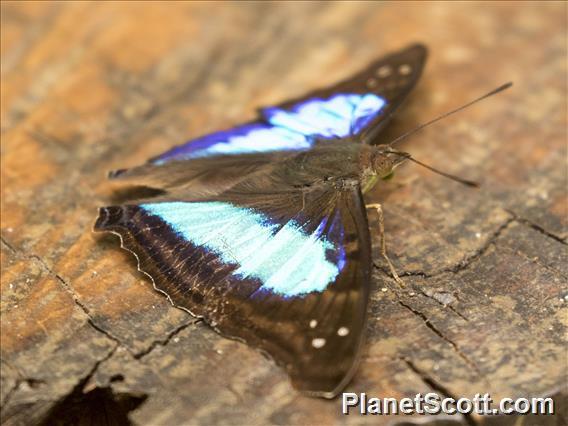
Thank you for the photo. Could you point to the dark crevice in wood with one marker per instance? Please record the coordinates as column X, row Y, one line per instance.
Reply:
column 441, row 335
column 67, row 287
column 537, row 227
column 44, row 266
column 29, row 381
column 442, row 390
column 99, row 405
column 75, row 298
column 166, row 340
column 37, row 382
column 455, row 311
column 463, row 264
column 8, row 245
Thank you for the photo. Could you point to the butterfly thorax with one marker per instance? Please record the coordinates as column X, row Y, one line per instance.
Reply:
column 342, row 161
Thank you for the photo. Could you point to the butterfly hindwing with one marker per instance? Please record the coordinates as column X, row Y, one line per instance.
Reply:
column 287, row 275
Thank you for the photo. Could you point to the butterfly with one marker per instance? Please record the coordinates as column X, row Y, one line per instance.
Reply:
column 261, row 229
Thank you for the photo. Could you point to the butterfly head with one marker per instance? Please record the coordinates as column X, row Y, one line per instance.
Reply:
column 379, row 162
column 382, row 161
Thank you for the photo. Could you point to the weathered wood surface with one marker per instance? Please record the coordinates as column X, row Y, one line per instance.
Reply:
column 90, row 87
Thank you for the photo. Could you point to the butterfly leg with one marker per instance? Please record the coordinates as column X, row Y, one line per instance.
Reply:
column 379, row 208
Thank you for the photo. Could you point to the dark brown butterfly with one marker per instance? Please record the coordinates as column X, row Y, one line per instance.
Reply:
column 261, row 229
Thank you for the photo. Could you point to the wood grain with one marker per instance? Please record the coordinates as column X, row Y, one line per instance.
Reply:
column 90, row 87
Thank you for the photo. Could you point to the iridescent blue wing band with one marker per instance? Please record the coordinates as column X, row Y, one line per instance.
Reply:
column 287, row 259
column 295, row 129
column 339, row 116
column 246, row 139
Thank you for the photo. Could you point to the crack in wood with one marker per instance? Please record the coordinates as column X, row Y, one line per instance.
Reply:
column 537, row 227
column 138, row 355
column 163, row 342
column 467, row 260
column 454, row 310
column 9, row 246
column 441, row 335
column 440, row 389
column 80, row 382
column 464, row 264
column 66, row 286
column 75, row 298
column 30, row 381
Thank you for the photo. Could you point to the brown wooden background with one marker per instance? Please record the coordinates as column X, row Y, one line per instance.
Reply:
column 89, row 87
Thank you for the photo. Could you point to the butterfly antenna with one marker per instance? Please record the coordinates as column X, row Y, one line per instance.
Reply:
column 452, row 177
column 407, row 156
column 446, row 114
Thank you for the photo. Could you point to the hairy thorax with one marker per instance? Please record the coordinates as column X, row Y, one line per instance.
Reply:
column 343, row 160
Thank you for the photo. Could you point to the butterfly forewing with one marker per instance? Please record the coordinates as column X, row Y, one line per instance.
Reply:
column 357, row 107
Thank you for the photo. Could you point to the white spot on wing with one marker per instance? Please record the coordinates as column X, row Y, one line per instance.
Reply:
column 342, row 331
column 313, row 323
column 405, row 69
column 384, row 71
column 318, row 343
